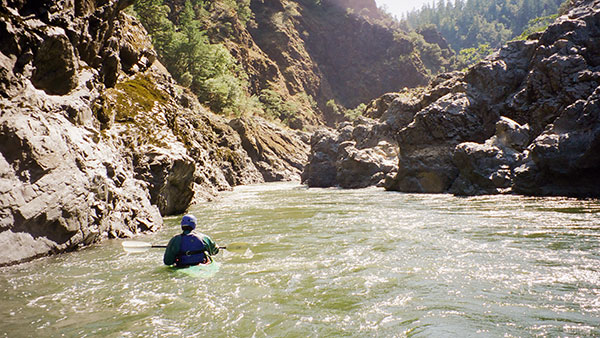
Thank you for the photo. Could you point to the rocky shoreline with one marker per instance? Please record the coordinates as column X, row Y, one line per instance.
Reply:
column 97, row 140
column 526, row 120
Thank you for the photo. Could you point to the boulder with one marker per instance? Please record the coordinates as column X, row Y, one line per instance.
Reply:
column 361, row 168
column 55, row 66
column 358, row 155
column 170, row 178
column 488, row 168
column 428, row 142
column 565, row 159
column 321, row 170
column 510, row 134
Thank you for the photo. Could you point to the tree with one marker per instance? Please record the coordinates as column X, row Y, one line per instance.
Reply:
column 207, row 69
column 469, row 23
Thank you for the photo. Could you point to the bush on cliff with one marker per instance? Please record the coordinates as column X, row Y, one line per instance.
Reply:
column 207, row 69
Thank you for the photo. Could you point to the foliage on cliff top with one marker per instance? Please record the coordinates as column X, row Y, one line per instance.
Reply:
column 207, row 46
column 468, row 24
column 474, row 28
column 183, row 47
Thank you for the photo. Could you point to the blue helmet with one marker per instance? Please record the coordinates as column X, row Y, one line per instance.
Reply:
column 189, row 221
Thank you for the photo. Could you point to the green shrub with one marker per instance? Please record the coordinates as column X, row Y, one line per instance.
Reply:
column 537, row 25
column 207, row 69
column 277, row 107
column 470, row 56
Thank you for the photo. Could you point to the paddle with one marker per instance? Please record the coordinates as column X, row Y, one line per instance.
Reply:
column 137, row 246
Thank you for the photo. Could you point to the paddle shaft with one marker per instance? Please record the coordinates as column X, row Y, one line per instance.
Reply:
column 135, row 246
column 164, row 246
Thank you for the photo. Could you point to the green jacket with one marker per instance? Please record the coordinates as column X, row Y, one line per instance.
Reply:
column 172, row 250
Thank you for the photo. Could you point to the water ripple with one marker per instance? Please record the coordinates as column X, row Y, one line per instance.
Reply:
column 330, row 263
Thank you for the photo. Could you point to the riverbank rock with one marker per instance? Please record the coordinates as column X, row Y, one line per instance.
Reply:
column 510, row 124
column 565, row 159
column 358, row 155
column 61, row 187
column 523, row 120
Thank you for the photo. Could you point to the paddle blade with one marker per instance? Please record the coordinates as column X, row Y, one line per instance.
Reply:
column 237, row 247
column 135, row 246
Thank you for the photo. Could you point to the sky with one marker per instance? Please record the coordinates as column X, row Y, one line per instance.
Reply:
column 398, row 7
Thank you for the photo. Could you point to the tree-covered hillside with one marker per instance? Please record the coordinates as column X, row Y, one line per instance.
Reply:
column 473, row 23
column 179, row 35
column 286, row 59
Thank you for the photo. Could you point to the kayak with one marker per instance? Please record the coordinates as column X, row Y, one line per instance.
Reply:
column 198, row 271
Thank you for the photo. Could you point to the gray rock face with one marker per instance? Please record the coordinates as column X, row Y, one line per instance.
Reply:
column 358, row 155
column 57, row 191
column 565, row 159
column 279, row 155
column 524, row 120
column 170, row 177
column 321, row 172
column 427, row 144
column 511, row 124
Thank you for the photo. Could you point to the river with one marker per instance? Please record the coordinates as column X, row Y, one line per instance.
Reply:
column 333, row 263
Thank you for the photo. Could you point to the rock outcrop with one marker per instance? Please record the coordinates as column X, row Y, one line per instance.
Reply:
column 358, row 155
column 96, row 139
column 524, row 120
column 515, row 121
column 278, row 155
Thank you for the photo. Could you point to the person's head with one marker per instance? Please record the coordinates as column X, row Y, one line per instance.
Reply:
column 188, row 223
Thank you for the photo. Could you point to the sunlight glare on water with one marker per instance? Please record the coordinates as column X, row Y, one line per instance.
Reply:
column 332, row 263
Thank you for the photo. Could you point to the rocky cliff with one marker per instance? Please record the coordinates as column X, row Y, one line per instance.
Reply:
column 525, row 120
column 288, row 48
column 96, row 139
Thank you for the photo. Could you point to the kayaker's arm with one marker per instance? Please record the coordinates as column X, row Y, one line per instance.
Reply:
column 211, row 247
column 172, row 250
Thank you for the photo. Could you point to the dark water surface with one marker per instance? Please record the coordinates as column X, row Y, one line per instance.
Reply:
column 333, row 263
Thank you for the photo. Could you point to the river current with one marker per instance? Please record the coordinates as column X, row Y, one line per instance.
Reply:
column 333, row 263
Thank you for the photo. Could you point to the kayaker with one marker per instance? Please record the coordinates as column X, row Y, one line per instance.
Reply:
column 188, row 249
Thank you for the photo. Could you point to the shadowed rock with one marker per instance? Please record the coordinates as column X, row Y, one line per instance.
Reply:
column 55, row 66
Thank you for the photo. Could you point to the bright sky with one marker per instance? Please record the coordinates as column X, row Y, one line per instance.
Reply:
column 399, row 7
